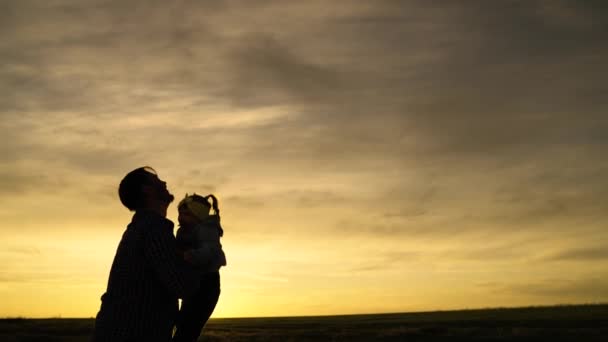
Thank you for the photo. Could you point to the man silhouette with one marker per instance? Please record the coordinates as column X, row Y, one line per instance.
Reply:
column 147, row 276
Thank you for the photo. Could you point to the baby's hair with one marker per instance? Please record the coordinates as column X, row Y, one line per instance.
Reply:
column 199, row 199
column 215, row 207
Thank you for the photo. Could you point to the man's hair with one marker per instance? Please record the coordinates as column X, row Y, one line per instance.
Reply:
column 130, row 188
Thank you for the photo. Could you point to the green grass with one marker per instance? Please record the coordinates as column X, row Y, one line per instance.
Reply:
column 555, row 323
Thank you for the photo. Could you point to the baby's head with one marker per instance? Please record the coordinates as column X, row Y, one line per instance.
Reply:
column 193, row 209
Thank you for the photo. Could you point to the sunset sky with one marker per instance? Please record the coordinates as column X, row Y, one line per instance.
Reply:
column 369, row 156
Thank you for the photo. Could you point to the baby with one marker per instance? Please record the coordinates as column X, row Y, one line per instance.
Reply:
column 198, row 241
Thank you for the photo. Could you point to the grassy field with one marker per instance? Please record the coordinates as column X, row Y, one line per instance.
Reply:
column 556, row 323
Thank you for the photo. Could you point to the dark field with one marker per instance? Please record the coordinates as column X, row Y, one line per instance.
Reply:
column 557, row 323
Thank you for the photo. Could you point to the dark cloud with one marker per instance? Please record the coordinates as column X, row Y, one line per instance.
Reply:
column 268, row 72
column 488, row 80
column 462, row 79
column 478, row 116
column 507, row 80
column 91, row 58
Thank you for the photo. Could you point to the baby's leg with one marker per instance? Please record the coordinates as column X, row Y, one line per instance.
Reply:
column 210, row 293
column 187, row 327
column 195, row 311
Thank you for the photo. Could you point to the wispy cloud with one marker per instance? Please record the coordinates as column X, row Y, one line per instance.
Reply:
column 250, row 276
column 590, row 289
column 599, row 253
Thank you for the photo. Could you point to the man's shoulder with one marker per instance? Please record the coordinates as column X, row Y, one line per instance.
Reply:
column 149, row 220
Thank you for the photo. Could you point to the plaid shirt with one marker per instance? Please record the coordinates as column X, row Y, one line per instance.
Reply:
column 146, row 279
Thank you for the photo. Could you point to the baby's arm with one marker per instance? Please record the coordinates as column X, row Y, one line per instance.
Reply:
column 207, row 253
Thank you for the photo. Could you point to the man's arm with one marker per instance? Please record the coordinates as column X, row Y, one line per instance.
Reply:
column 160, row 251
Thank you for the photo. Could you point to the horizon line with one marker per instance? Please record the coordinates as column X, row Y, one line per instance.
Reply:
column 349, row 315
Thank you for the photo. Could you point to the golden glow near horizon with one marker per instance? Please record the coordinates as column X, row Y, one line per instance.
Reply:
column 370, row 157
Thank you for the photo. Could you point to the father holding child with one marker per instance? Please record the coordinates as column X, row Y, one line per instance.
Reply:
column 147, row 275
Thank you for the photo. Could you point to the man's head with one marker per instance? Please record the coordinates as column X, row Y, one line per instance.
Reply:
column 141, row 188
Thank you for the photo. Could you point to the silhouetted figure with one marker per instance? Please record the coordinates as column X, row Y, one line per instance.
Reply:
column 198, row 240
column 147, row 276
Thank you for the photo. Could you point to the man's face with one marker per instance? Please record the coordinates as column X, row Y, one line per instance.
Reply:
column 156, row 189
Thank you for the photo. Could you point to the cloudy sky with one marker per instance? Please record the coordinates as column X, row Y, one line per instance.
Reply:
column 369, row 156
